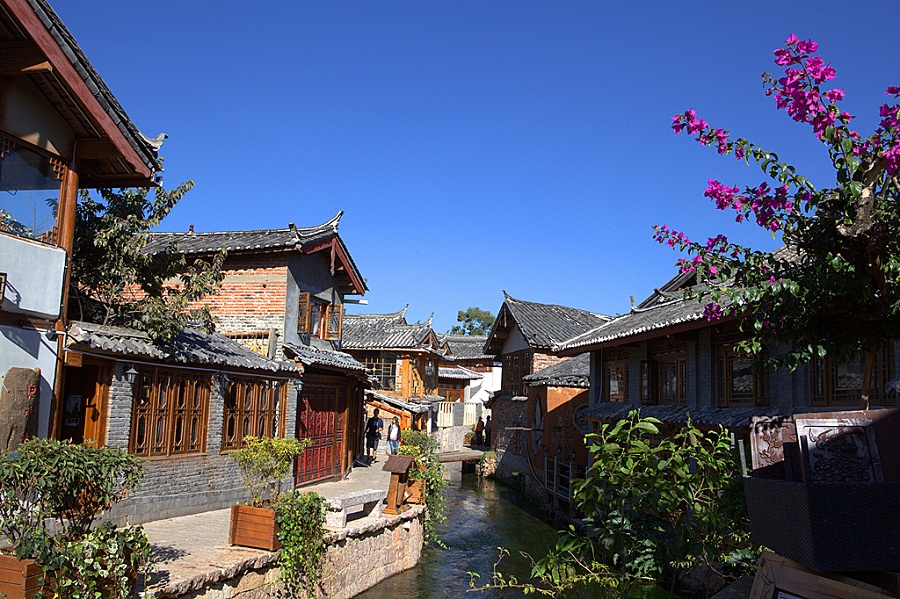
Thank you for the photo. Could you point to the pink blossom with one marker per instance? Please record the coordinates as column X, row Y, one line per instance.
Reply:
column 712, row 312
column 834, row 95
column 893, row 90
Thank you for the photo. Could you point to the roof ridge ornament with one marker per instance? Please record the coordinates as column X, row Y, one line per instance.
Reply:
column 334, row 222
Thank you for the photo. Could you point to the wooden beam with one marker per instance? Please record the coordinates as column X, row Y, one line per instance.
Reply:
column 22, row 58
column 25, row 17
column 96, row 149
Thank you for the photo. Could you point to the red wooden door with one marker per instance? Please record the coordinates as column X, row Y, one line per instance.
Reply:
column 320, row 418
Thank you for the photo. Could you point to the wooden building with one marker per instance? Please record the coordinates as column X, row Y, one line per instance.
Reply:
column 283, row 295
column 182, row 406
column 61, row 130
column 467, row 352
column 665, row 357
column 523, row 337
column 403, row 358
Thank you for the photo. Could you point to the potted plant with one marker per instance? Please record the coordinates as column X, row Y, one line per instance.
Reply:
column 263, row 464
column 45, row 480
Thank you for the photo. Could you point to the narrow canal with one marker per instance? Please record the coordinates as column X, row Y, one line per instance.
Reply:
column 480, row 518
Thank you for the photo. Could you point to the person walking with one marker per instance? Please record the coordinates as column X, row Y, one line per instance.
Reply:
column 479, row 431
column 487, row 431
column 393, row 436
column 373, row 433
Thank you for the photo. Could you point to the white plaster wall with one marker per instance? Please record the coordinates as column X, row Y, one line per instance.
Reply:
column 515, row 342
column 27, row 348
column 34, row 277
column 482, row 389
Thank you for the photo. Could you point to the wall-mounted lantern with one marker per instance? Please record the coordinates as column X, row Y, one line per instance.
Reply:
column 131, row 374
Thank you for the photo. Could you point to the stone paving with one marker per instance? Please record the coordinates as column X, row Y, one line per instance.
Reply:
column 192, row 551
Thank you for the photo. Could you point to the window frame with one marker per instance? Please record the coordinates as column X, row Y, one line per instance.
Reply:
column 823, row 380
column 166, row 404
column 259, row 419
column 318, row 318
column 726, row 352
column 616, row 362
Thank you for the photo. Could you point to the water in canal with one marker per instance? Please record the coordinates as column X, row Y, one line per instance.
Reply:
column 480, row 518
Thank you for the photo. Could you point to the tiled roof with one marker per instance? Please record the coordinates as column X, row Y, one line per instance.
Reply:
column 731, row 418
column 261, row 239
column 466, row 347
column 190, row 346
column 145, row 148
column 415, row 408
column 383, row 331
column 332, row 360
column 573, row 372
column 458, row 372
column 667, row 310
column 543, row 325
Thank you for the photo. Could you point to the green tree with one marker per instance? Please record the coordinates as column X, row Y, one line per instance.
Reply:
column 835, row 289
column 475, row 321
column 113, row 281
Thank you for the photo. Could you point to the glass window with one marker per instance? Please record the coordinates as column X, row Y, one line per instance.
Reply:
column 169, row 412
column 30, row 184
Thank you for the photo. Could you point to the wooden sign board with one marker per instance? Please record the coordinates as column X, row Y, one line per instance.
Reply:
column 73, row 359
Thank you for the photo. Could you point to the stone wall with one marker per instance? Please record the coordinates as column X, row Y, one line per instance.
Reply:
column 358, row 558
column 451, row 437
column 507, row 418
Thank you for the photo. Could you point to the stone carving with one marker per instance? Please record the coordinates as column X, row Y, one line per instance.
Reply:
column 19, row 401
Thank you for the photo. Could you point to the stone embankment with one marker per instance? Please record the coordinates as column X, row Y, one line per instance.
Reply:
column 359, row 556
column 195, row 561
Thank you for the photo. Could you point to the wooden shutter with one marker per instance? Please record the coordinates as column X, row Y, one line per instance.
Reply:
column 303, row 324
column 333, row 318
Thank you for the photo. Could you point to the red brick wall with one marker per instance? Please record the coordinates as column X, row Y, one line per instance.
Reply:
column 253, row 293
column 541, row 361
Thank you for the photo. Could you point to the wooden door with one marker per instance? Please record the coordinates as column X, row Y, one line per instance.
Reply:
column 84, row 404
column 321, row 418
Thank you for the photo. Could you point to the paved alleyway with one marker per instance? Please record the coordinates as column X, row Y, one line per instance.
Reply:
column 192, row 551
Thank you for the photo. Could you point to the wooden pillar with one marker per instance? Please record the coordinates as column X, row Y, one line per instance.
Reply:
column 68, row 201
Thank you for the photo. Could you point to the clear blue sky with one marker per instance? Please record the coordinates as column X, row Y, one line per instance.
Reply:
column 475, row 146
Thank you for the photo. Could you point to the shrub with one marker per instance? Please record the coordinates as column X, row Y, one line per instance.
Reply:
column 45, row 479
column 263, row 464
column 301, row 522
column 428, row 468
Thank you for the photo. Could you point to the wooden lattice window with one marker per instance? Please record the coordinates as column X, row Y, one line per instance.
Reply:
column 615, row 370
column 515, row 366
column 318, row 318
column 742, row 379
column 169, row 412
column 383, row 367
column 252, row 408
column 840, row 382
column 670, row 362
column 333, row 317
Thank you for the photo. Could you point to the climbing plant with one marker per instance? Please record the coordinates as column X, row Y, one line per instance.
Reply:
column 427, row 468
column 301, row 531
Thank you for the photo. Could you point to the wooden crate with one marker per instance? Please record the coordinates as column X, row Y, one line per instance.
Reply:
column 19, row 579
column 416, row 490
column 254, row 527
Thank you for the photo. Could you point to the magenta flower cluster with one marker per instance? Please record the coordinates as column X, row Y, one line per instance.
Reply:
column 713, row 312
column 768, row 208
column 798, row 91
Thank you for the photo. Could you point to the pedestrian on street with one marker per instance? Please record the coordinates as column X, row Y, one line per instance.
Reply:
column 393, row 436
column 479, row 431
column 373, row 434
column 487, row 432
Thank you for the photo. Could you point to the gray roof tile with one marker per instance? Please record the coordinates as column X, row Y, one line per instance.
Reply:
column 573, row 372
column 466, row 347
column 731, row 418
column 383, row 331
column 332, row 360
column 190, row 347
column 543, row 325
column 458, row 372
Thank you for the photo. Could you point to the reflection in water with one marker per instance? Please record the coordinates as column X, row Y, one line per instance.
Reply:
column 480, row 519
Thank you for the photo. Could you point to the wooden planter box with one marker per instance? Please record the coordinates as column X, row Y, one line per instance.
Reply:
column 847, row 527
column 19, row 579
column 254, row 527
column 416, row 490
